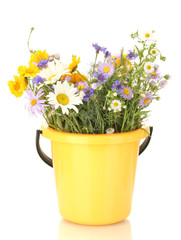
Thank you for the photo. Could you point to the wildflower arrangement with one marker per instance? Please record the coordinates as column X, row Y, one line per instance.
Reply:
column 112, row 97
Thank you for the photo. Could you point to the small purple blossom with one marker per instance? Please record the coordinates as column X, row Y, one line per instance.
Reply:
column 162, row 83
column 101, row 76
column 43, row 63
column 153, row 83
column 88, row 94
column 131, row 55
column 38, row 79
column 35, row 104
column 146, row 100
column 126, row 92
column 98, row 48
column 107, row 54
column 117, row 86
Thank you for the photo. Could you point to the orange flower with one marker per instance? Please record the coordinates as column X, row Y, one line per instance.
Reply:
column 76, row 77
column 117, row 62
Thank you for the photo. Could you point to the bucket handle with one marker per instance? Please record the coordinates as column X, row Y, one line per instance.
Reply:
column 144, row 145
column 43, row 156
column 49, row 161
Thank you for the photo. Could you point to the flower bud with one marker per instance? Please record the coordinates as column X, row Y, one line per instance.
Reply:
column 110, row 130
column 167, row 77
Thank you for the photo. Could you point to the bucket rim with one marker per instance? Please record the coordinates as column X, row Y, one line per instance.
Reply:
column 95, row 139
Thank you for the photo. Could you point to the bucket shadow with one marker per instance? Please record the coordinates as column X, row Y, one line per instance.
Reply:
column 71, row 231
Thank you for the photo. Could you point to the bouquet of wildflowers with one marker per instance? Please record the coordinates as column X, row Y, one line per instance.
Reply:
column 112, row 97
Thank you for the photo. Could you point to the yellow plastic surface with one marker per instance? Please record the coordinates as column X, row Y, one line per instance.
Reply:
column 94, row 174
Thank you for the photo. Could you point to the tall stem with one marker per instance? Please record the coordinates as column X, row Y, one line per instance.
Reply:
column 94, row 66
column 28, row 43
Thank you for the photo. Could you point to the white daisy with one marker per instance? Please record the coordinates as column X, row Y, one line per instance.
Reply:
column 53, row 72
column 116, row 105
column 149, row 67
column 154, row 52
column 64, row 96
column 147, row 35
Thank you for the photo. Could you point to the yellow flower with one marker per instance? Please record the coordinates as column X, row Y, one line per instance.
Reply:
column 28, row 72
column 18, row 86
column 22, row 70
column 72, row 66
column 37, row 56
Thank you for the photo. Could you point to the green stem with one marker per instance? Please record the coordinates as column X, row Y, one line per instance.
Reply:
column 124, row 119
column 28, row 43
column 94, row 66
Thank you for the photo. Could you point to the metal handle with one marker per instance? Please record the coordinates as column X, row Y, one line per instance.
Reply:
column 43, row 156
column 146, row 142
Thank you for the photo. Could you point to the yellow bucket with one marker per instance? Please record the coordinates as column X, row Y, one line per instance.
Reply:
column 94, row 173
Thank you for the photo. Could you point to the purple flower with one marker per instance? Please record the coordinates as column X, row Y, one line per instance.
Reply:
column 82, row 86
column 131, row 55
column 43, row 63
column 107, row 53
column 146, row 100
column 153, row 83
column 154, row 74
column 101, row 76
column 88, row 94
column 98, row 48
column 162, row 83
column 126, row 92
column 38, row 80
column 106, row 68
column 35, row 104
column 117, row 86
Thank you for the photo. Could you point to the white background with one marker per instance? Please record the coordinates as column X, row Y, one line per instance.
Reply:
column 28, row 204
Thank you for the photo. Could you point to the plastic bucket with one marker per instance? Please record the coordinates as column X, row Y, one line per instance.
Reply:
column 94, row 174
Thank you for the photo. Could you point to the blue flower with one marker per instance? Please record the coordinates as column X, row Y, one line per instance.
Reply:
column 98, row 48
column 88, row 94
column 117, row 86
column 43, row 63
column 131, row 55
column 107, row 53
column 101, row 76
column 38, row 80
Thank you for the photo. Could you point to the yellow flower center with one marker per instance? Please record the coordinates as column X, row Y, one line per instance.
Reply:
column 33, row 102
column 50, row 79
column 16, row 86
column 80, row 87
column 148, row 67
column 126, row 91
column 147, row 35
column 106, row 69
column 116, row 104
column 153, row 73
column 62, row 99
column 153, row 52
column 146, row 100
